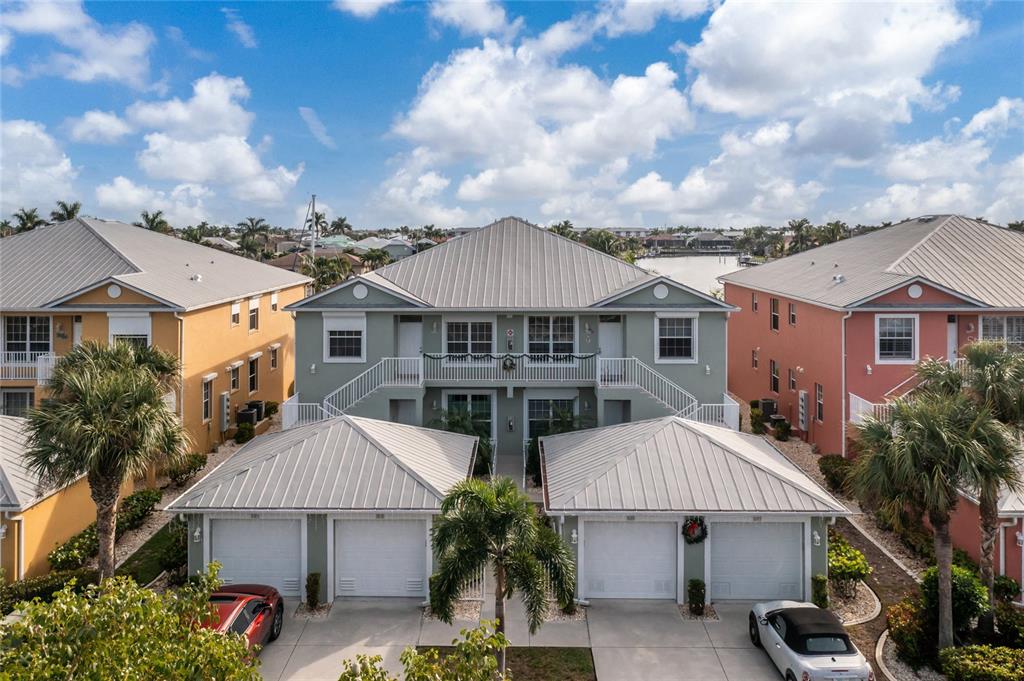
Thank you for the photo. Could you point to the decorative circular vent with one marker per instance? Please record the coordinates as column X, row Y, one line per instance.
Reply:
column 359, row 291
column 661, row 292
column 915, row 291
column 114, row 291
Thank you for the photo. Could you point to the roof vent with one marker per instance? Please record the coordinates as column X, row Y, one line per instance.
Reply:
column 838, row 278
column 196, row 277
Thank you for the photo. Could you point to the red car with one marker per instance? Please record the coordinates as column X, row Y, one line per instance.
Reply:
column 255, row 611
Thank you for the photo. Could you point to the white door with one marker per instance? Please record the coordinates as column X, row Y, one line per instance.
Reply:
column 756, row 561
column 258, row 551
column 410, row 338
column 609, row 337
column 378, row 557
column 629, row 560
column 951, row 339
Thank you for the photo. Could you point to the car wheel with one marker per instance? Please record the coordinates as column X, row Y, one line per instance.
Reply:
column 275, row 626
column 755, row 633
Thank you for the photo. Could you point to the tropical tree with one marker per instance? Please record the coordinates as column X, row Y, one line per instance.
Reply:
column 803, row 235
column 376, row 257
column 916, row 460
column 993, row 378
column 65, row 211
column 154, row 222
column 565, row 228
column 339, row 225
column 28, row 219
column 106, row 419
column 493, row 523
column 325, row 272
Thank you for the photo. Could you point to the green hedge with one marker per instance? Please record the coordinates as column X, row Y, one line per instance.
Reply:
column 43, row 587
column 835, row 468
column 982, row 663
column 133, row 511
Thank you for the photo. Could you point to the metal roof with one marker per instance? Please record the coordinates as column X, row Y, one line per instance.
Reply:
column 20, row 487
column 50, row 263
column 980, row 261
column 676, row 465
column 346, row 463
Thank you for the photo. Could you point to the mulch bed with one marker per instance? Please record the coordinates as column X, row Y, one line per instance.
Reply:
column 889, row 582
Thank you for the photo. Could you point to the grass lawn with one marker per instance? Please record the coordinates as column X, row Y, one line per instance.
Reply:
column 144, row 565
column 548, row 664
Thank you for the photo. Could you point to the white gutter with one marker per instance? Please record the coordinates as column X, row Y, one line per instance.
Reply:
column 842, row 378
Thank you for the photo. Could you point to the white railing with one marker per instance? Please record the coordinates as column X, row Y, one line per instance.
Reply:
column 630, row 372
column 27, row 366
column 295, row 413
column 726, row 414
column 390, row 371
column 509, row 368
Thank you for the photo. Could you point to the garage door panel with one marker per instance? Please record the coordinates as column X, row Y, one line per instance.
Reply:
column 756, row 561
column 375, row 557
column 630, row 560
column 259, row 551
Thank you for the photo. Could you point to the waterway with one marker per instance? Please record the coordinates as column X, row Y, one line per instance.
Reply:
column 696, row 271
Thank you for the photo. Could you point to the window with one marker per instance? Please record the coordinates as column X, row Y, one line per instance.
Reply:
column 16, row 402
column 273, row 358
column 897, row 342
column 28, row 335
column 819, row 403
column 1009, row 330
column 479, row 407
column 792, row 314
column 773, row 381
column 254, row 374
column 753, row 301
column 676, row 339
column 540, row 414
column 344, row 338
column 236, row 314
column 792, row 379
column 551, row 338
column 254, row 314
column 207, row 399
column 273, row 301
column 753, row 358
column 774, row 318
column 469, row 339
column 234, row 379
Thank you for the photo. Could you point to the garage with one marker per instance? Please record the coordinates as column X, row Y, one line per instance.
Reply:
column 629, row 559
column 756, row 561
column 380, row 557
column 260, row 551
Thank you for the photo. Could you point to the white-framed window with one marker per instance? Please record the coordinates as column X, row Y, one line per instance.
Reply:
column 469, row 340
column 773, row 318
column 896, row 338
column 254, row 314
column 550, row 337
column 273, row 357
column 236, row 313
column 754, row 361
column 675, row 338
column 1009, row 330
column 26, row 337
column 819, row 403
column 344, row 337
column 254, row 374
column 792, row 314
column 130, row 327
column 792, row 380
column 16, row 402
column 773, row 375
column 235, row 370
column 207, row 399
column 273, row 301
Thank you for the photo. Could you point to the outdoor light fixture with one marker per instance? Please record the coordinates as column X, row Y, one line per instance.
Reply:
column 197, row 536
column 574, row 537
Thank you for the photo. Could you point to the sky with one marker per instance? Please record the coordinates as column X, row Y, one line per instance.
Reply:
column 610, row 113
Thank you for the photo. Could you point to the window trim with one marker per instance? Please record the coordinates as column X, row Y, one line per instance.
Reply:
column 469, row 319
column 916, row 339
column 340, row 321
column 695, row 331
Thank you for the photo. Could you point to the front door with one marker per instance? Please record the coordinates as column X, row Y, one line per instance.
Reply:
column 410, row 337
column 951, row 338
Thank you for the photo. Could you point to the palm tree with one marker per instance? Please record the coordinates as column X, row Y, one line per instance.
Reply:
column 916, row 460
column 106, row 419
column 992, row 378
column 154, row 222
column 803, row 235
column 565, row 228
column 65, row 211
column 376, row 257
column 494, row 523
column 28, row 219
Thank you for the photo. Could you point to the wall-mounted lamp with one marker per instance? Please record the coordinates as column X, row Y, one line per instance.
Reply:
column 197, row 536
column 816, row 538
column 574, row 537
column 312, row 368
column 868, row 369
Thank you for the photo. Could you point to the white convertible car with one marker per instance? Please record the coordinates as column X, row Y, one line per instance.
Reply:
column 807, row 643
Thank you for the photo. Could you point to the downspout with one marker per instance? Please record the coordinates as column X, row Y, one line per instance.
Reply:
column 842, row 383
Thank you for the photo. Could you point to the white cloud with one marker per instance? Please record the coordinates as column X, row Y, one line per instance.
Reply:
column 241, row 30
column 316, row 127
column 92, row 52
column 905, row 200
column 182, row 206
column 34, row 171
column 100, row 127
column 364, row 9
column 1004, row 115
column 475, row 17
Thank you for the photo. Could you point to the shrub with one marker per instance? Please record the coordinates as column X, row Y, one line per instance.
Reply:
column 43, row 587
column 244, row 433
column 964, row 560
column 970, row 598
column 132, row 512
column 757, row 422
column 904, row 622
column 184, row 471
column 982, row 663
column 695, row 594
column 819, row 591
column 835, row 468
column 313, row 590
column 782, row 430
column 1010, row 625
column 846, row 566
column 270, row 408
column 1006, row 588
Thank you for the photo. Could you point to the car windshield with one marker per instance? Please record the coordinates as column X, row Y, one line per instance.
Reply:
column 825, row 645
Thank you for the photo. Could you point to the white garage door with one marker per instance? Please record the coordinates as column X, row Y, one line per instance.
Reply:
column 756, row 561
column 629, row 560
column 260, row 551
column 380, row 557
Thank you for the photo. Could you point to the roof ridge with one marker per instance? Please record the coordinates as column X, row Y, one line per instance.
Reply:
column 895, row 263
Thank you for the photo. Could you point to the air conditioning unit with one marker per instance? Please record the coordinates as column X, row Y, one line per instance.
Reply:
column 803, row 411
column 225, row 411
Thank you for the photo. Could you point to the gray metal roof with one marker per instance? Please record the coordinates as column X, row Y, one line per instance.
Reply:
column 676, row 465
column 346, row 463
column 19, row 486
column 980, row 261
column 47, row 264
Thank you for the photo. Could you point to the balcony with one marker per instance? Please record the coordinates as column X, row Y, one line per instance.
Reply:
column 27, row 366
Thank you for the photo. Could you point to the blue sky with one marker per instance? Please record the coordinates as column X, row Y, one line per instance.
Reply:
column 453, row 113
